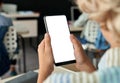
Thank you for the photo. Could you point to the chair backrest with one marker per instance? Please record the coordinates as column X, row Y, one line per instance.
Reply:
column 10, row 41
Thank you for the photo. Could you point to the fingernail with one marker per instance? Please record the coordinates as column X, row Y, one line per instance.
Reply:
column 46, row 34
column 72, row 36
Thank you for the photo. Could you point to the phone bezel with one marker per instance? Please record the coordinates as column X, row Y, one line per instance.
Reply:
column 60, row 63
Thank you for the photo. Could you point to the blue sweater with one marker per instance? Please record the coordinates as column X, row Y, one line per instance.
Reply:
column 4, row 59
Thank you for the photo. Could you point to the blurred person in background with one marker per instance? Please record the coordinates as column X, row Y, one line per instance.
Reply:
column 5, row 23
column 91, row 36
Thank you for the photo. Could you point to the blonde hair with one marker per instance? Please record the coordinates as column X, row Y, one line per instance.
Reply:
column 106, row 10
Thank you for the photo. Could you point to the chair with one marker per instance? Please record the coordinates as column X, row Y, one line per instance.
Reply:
column 11, row 41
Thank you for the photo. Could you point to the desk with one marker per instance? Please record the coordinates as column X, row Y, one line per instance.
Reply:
column 26, row 27
column 9, row 78
column 17, row 15
column 56, row 70
column 75, row 29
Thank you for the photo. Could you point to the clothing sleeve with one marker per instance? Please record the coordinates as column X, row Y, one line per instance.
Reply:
column 4, row 21
column 109, row 75
column 81, row 21
column 111, row 58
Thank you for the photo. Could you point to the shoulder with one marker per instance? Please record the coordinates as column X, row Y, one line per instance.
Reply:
column 113, row 53
column 4, row 21
column 111, row 58
column 109, row 75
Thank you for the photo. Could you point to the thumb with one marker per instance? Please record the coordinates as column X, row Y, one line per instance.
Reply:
column 78, row 50
column 76, row 43
column 48, row 48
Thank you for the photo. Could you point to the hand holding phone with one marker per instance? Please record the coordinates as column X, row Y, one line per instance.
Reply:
column 58, row 29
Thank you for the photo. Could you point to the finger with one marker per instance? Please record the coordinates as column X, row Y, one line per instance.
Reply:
column 48, row 48
column 47, row 41
column 75, row 42
column 41, row 50
column 41, row 46
column 78, row 50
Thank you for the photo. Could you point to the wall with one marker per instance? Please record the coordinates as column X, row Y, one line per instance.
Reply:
column 45, row 7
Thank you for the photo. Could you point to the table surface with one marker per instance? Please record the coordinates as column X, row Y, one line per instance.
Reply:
column 56, row 69
column 73, row 29
column 18, row 15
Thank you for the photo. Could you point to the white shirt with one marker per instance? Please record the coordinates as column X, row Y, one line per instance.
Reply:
column 109, row 71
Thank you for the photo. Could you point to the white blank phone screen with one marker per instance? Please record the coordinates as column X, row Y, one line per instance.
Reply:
column 60, row 38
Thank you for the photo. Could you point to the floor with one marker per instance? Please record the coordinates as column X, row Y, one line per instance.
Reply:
column 31, row 59
column 31, row 56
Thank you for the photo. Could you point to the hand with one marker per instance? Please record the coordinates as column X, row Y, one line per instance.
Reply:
column 45, row 58
column 83, row 63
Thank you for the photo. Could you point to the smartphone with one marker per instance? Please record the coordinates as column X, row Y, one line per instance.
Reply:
column 57, row 27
